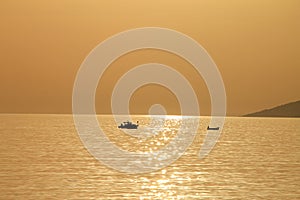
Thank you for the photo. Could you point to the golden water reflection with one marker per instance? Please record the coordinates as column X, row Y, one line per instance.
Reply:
column 42, row 157
column 170, row 185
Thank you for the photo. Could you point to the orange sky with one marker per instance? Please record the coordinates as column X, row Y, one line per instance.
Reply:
column 255, row 44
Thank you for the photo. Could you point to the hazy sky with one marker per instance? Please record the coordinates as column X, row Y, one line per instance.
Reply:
column 255, row 44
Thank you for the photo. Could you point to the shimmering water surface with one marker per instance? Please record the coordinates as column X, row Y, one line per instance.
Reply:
column 42, row 157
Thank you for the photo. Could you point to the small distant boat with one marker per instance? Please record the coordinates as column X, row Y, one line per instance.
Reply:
column 129, row 125
column 213, row 128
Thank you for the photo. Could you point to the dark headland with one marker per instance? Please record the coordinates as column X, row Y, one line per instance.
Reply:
column 287, row 110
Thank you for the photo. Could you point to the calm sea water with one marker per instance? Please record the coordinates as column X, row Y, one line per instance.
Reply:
column 42, row 157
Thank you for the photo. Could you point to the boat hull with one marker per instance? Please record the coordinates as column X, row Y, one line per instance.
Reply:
column 213, row 128
column 128, row 127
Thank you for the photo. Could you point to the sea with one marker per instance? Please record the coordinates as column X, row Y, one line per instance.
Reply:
column 42, row 156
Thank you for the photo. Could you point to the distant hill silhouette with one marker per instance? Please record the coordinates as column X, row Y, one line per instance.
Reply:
column 286, row 110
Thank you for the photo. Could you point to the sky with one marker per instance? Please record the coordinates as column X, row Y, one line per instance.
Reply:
column 255, row 45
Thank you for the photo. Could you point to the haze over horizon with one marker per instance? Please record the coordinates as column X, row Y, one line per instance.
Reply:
column 255, row 45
